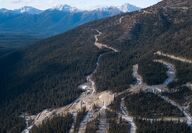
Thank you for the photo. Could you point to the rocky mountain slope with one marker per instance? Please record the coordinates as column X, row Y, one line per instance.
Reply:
column 129, row 72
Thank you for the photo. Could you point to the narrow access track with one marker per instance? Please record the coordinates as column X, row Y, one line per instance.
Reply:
column 125, row 116
column 88, row 99
column 171, row 73
column 177, row 58
column 103, row 123
column 171, row 76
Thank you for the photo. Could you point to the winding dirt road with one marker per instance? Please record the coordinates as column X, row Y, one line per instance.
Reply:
column 88, row 99
column 103, row 123
column 139, row 79
column 101, row 45
column 157, row 91
column 127, row 117
column 171, row 73
column 181, row 59
column 91, row 98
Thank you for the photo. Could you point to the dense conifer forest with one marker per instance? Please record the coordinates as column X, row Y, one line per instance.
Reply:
column 56, row 125
column 161, row 127
column 153, row 73
column 117, row 124
column 48, row 73
column 150, row 106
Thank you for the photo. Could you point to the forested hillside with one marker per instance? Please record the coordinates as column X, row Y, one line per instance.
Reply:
column 47, row 74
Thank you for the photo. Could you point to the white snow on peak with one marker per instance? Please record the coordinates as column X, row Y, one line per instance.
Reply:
column 123, row 8
column 28, row 9
column 128, row 8
column 65, row 8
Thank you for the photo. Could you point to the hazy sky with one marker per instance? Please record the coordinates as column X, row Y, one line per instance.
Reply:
column 82, row 4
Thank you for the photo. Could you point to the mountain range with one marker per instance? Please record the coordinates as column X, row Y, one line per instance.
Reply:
column 24, row 26
column 127, row 73
column 55, row 20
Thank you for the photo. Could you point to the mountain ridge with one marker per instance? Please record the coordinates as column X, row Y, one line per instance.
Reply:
column 33, row 22
column 26, row 9
column 46, row 76
column 30, row 21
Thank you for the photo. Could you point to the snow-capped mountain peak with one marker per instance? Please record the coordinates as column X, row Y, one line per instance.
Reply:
column 123, row 8
column 65, row 8
column 128, row 8
column 28, row 9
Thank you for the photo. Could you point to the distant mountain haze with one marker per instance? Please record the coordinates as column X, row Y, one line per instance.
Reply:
column 55, row 20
